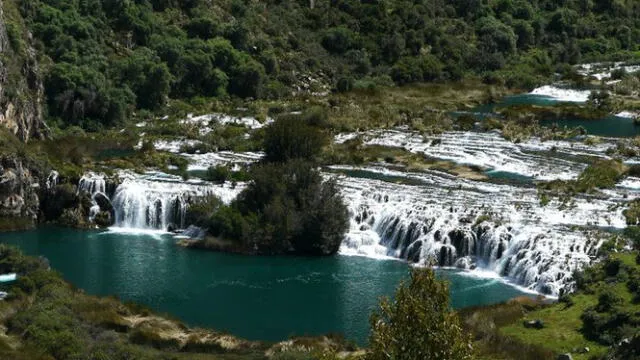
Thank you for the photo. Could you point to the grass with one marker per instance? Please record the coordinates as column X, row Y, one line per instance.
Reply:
column 562, row 332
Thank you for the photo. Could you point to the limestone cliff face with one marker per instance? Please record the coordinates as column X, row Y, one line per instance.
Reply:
column 19, row 189
column 21, row 88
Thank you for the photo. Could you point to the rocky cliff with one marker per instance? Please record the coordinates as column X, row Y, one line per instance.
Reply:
column 21, row 88
column 19, row 188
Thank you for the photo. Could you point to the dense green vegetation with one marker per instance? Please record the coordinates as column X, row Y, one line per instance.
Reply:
column 287, row 206
column 103, row 60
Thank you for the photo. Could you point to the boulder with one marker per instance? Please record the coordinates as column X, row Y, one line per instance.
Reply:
column 566, row 356
column 103, row 201
column 533, row 324
column 8, row 182
column 194, row 232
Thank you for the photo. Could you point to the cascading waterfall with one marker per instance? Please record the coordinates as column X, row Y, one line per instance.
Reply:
column 536, row 159
column 92, row 183
column 95, row 185
column 160, row 201
column 452, row 222
column 150, row 201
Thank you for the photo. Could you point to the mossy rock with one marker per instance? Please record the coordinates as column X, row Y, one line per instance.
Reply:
column 103, row 219
column 72, row 218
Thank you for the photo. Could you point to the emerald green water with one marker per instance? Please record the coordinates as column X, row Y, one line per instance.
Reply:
column 265, row 298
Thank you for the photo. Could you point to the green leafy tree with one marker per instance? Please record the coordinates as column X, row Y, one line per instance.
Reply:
column 418, row 324
column 290, row 138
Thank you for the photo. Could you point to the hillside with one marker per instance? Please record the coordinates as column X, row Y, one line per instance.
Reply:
column 101, row 61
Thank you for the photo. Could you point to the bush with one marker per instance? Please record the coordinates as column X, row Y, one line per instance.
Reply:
column 338, row 40
column 601, row 174
column 607, row 300
column 218, row 174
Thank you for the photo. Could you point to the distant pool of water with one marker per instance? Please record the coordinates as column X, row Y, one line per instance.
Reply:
column 611, row 126
column 258, row 298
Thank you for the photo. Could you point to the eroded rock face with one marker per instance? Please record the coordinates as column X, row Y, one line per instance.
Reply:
column 21, row 88
column 18, row 190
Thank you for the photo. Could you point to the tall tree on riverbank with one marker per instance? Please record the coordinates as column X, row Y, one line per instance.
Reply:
column 418, row 324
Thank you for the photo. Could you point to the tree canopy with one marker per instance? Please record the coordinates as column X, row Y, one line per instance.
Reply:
column 107, row 58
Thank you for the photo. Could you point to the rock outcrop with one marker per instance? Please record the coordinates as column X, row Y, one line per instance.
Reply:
column 21, row 87
column 19, row 202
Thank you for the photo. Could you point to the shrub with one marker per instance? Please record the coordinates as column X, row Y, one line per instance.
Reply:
column 601, row 174
column 218, row 174
column 338, row 40
column 607, row 300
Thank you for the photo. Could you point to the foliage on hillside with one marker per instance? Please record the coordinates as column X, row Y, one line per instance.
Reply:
column 104, row 59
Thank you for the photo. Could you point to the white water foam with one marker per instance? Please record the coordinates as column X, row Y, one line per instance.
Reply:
column 205, row 122
column 629, row 114
column 539, row 160
column 562, row 95
column 468, row 224
column 207, row 160
column 602, row 71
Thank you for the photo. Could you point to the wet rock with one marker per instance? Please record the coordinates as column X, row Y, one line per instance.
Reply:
column 566, row 356
column 194, row 232
column 413, row 252
column 103, row 201
column 103, row 219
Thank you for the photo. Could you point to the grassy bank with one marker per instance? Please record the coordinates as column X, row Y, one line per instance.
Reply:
column 607, row 292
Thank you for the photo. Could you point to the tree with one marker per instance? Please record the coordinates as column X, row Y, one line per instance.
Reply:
column 338, row 40
column 418, row 324
column 290, row 137
column 600, row 100
column 287, row 208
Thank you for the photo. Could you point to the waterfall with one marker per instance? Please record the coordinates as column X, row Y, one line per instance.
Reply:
column 52, row 180
column 153, row 200
column 160, row 201
column 452, row 222
column 534, row 158
column 92, row 184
